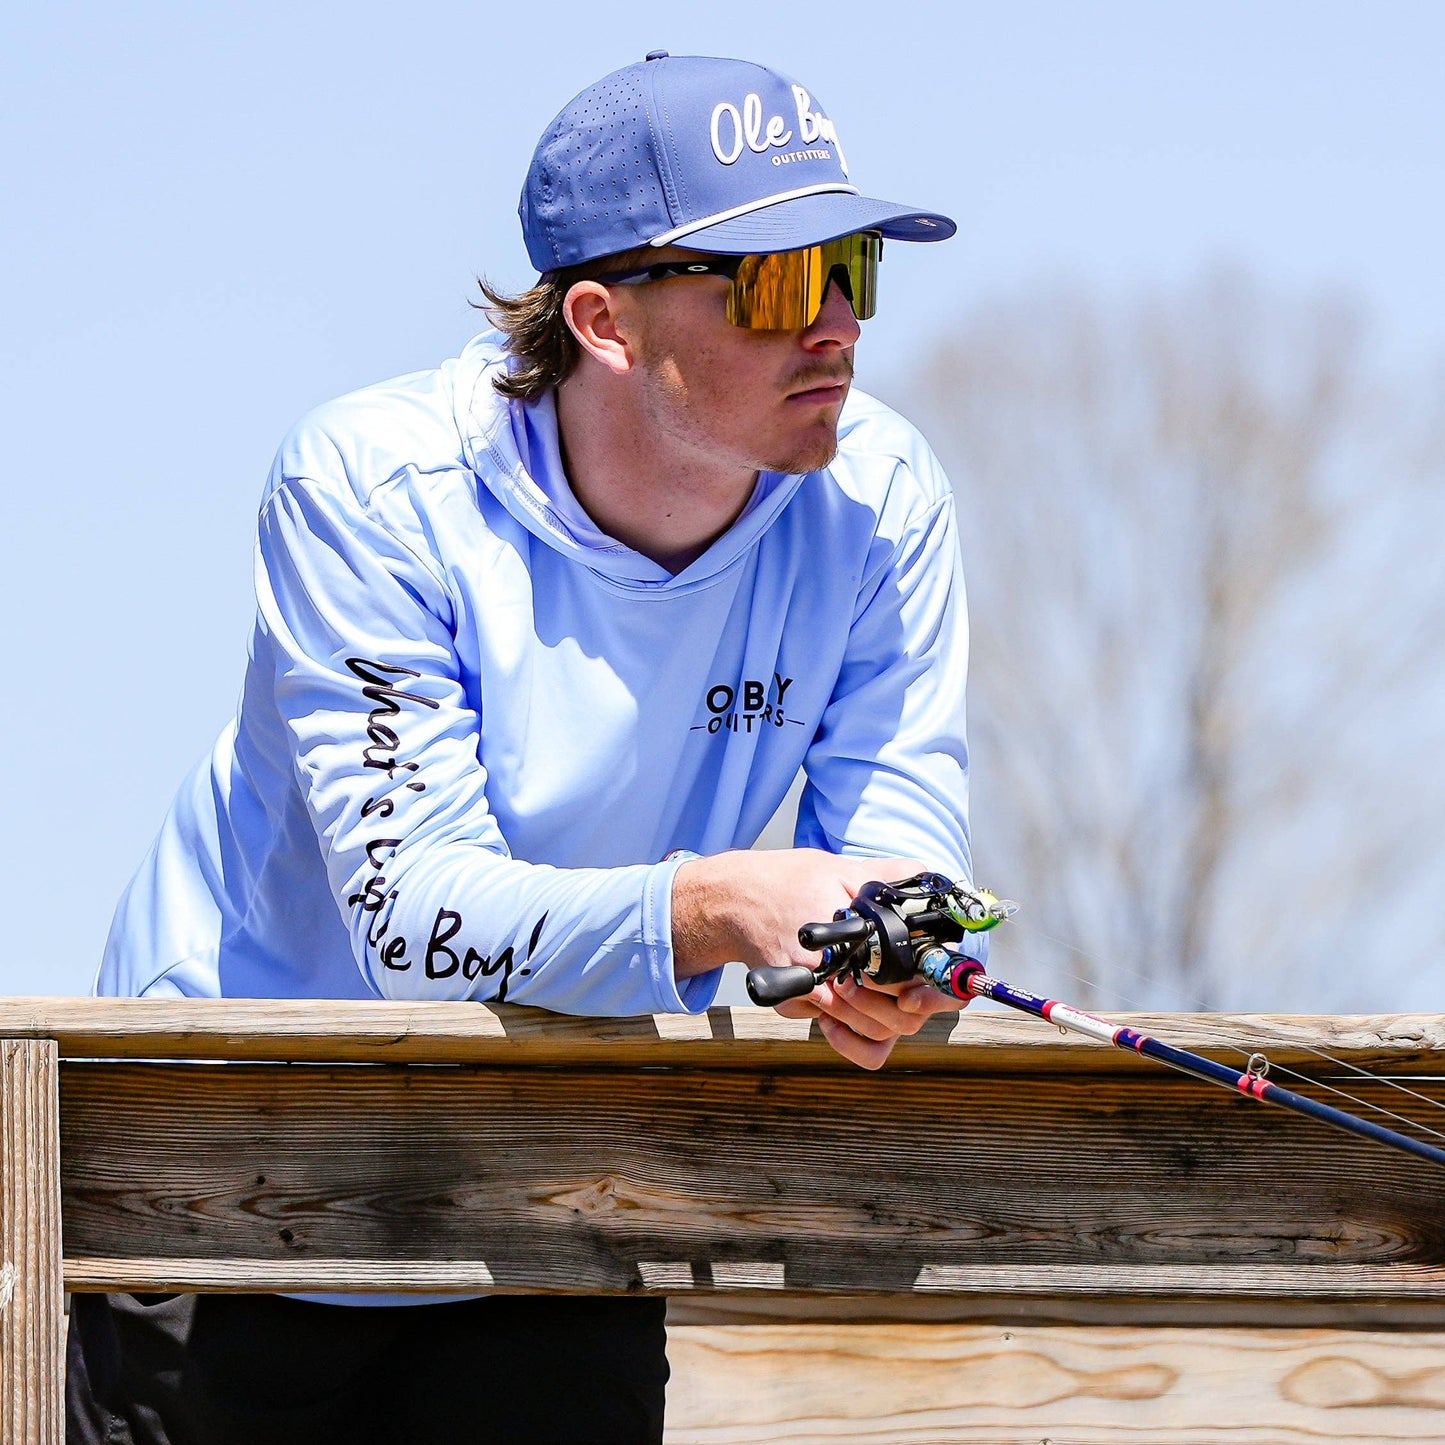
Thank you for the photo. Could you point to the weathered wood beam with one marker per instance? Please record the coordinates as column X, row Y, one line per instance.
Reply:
column 31, row 1378
column 1185, row 1307
column 979, row 1040
column 896, row 1384
column 614, row 1179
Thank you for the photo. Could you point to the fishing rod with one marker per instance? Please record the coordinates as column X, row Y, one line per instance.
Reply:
column 893, row 932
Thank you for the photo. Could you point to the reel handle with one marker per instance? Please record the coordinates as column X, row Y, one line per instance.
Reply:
column 818, row 936
column 767, row 986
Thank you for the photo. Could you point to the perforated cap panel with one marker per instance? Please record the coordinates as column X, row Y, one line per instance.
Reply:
column 594, row 180
column 693, row 146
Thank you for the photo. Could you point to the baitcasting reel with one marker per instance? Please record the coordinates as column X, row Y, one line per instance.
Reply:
column 891, row 932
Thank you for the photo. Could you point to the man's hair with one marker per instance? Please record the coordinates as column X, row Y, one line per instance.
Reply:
column 544, row 351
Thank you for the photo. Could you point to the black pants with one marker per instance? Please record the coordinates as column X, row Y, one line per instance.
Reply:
column 263, row 1370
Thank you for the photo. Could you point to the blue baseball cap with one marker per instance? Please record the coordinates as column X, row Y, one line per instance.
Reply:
column 711, row 154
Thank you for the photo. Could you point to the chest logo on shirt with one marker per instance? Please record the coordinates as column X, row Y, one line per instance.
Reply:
column 747, row 705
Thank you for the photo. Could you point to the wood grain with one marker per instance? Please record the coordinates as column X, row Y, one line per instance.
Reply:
column 827, row 1183
column 1005, row 1308
column 909, row 1384
column 979, row 1040
column 995, row 1169
column 31, row 1401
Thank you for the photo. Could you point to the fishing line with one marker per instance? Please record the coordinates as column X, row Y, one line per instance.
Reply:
column 915, row 928
column 1257, row 1032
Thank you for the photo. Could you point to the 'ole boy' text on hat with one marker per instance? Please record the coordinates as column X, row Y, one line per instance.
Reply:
column 715, row 155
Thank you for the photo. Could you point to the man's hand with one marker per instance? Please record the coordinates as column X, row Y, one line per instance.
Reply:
column 747, row 907
column 864, row 1020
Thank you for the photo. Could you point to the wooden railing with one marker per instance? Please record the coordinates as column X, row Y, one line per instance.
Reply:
column 1005, row 1235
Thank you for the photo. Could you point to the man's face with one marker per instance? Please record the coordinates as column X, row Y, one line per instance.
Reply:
column 754, row 400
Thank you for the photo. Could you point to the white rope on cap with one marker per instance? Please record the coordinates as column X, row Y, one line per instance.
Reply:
column 720, row 216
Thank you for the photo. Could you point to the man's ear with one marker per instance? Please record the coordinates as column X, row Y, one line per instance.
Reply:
column 591, row 313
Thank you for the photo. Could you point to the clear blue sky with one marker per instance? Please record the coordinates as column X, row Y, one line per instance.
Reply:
column 213, row 217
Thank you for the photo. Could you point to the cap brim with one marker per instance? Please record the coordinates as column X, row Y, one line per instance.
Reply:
column 809, row 220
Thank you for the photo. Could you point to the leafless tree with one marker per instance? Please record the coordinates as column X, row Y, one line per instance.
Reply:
column 1205, row 574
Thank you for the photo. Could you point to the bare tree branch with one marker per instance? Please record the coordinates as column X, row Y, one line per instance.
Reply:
column 1204, row 584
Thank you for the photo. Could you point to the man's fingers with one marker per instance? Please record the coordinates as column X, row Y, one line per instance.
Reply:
column 924, row 1000
column 866, row 1053
column 875, row 1018
column 798, row 1008
column 863, row 1022
column 866, row 1011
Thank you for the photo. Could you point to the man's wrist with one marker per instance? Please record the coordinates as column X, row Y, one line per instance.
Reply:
column 702, row 920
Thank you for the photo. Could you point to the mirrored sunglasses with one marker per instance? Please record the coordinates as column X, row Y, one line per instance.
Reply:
column 781, row 290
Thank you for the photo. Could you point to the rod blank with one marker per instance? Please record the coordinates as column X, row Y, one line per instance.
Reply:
column 1252, row 1085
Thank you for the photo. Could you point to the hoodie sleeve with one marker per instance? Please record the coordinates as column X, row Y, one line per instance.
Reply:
column 887, row 773
column 384, row 745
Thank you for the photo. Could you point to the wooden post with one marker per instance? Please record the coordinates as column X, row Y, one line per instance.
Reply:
column 32, row 1405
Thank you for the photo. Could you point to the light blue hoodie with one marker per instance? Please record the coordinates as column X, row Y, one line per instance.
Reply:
column 473, row 726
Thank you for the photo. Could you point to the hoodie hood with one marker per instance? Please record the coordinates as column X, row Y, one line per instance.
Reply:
column 514, row 449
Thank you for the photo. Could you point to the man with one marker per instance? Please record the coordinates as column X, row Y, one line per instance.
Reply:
column 543, row 638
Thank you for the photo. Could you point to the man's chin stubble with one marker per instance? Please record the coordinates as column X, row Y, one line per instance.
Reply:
column 811, row 458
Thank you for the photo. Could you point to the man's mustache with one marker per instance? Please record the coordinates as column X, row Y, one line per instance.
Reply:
column 822, row 376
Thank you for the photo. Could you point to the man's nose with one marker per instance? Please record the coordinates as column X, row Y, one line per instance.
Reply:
column 835, row 324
